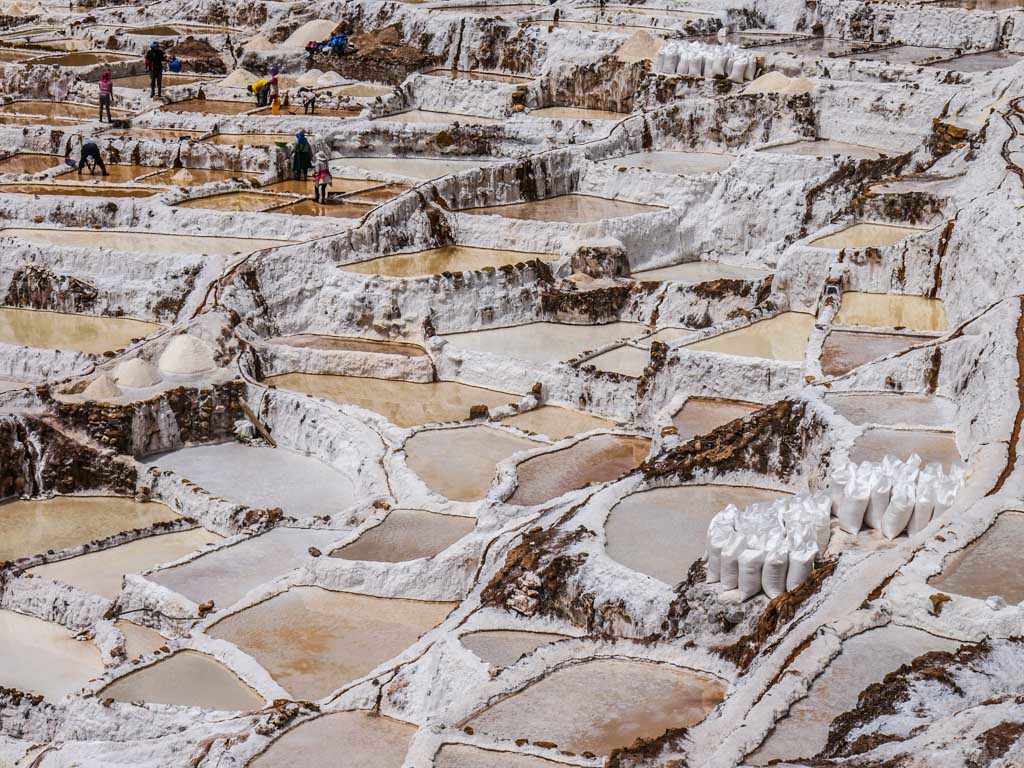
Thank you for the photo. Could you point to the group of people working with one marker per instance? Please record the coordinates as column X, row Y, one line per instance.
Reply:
column 155, row 60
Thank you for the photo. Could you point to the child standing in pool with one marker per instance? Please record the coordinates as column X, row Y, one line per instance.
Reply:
column 321, row 177
column 106, row 87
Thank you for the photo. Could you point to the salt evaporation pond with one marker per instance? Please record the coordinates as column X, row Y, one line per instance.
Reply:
column 845, row 350
column 466, row 756
column 26, row 162
column 250, row 139
column 238, row 202
column 313, row 641
column 573, row 208
column 427, row 117
column 40, row 109
column 783, row 337
column 101, row 572
column 864, row 660
column 502, row 647
column 866, row 235
column 263, row 477
column 350, row 211
column 193, row 177
column 986, row 61
column 930, row 446
column 141, row 82
column 358, row 739
column 543, row 342
column 555, row 422
column 153, row 243
column 576, row 113
column 461, row 74
column 300, row 187
column 889, row 310
column 449, row 258
column 890, row 408
column 422, row 168
column 598, row 705
column 139, row 640
column 701, row 415
column 826, row 148
column 90, row 334
column 77, row 190
column 661, row 532
column 990, row 565
column 594, row 459
column 186, row 679
column 33, row 526
column 460, row 463
column 694, row 272
column 225, row 575
column 901, row 54
column 43, row 658
column 407, row 534
column 171, row 134
column 403, row 403
column 210, row 107
column 625, row 361
column 118, row 173
column 674, row 162
column 349, row 344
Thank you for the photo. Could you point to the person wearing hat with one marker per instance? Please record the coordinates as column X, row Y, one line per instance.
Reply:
column 321, row 177
column 261, row 90
column 155, row 65
column 301, row 156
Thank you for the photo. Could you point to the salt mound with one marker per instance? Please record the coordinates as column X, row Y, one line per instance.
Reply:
column 137, row 373
column 776, row 82
column 239, row 79
column 327, row 79
column 102, row 388
column 259, row 43
column 309, row 77
column 640, row 45
column 186, row 354
column 182, row 177
column 316, row 30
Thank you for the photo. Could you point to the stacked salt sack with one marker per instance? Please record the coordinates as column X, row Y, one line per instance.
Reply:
column 768, row 546
column 893, row 496
column 695, row 59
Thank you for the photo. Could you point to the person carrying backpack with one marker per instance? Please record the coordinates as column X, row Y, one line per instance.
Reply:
column 155, row 57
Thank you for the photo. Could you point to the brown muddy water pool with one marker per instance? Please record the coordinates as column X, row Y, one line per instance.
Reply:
column 60, row 109
column 890, row 408
column 503, row 647
column 116, row 174
column 570, row 209
column 407, row 534
column 225, row 575
column 313, row 641
column 495, row 9
column 379, row 194
column 661, row 532
column 593, row 460
column 556, row 422
column 987, row 61
column 426, row 117
column 101, row 572
column 234, row 201
column 263, row 477
column 866, row 235
column 902, row 54
column 876, row 442
column 173, row 134
column 990, row 565
column 351, row 211
column 421, row 168
column 210, row 107
column 366, row 741
column 33, row 526
column 249, row 139
column 16, row 56
column 543, row 342
column 193, row 177
column 602, row 704
column 845, row 350
column 81, row 59
column 864, row 660
column 811, row 46
column 349, row 344
column 154, row 243
column 73, row 333
column 826, row 148
column 27, row 162
column 695, row 272
column 305, row 188
column 679, row 163
column 783, row 337
column 890, row 310
column 460, row 463
column 463, row 74
column 141, row 82
column 77, row 190
column 701, row 415
column 576, row 113
column 435, row 261
column 466, row 756
column 296, row 109
column 186, row 679
column 43, row 658
column 403, row 403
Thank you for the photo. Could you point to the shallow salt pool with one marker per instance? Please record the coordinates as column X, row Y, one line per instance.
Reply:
column 888, row 310
column 407, row 534
column 153, row 243
column 502, row 647
column 694, row 272
column 990, row 565
column 701, row 415
column 670, row 161
column 866, row 235
column 783, row 337
column 571, row 209
column 90, row 334
column 449, row 258
column 43, row 658
column 365, row 740
column 543, row 342
column 845, row 350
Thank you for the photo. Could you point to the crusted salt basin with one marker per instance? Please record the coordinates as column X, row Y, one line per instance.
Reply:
column 680, row 163
column 783, row 337
column 43, row 658
column 75, row 333
column 572, row 208
column 502, row 647
column 449, row 258
column 543, row 342
column 157, row 244
column 367, row 740
column 407, row 534
column 990, row 565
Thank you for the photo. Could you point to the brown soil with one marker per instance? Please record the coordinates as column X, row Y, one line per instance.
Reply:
column 381, row 56
column 199, row 56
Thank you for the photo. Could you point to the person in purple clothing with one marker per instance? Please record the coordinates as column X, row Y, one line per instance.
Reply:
column 106, row 86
